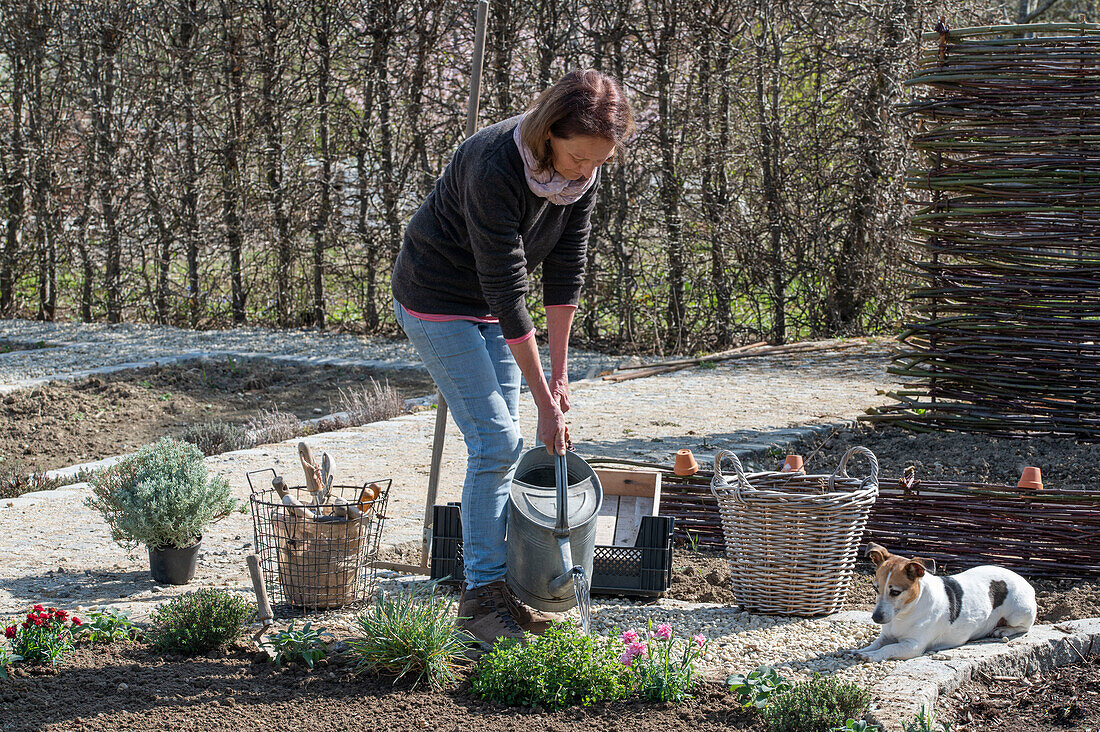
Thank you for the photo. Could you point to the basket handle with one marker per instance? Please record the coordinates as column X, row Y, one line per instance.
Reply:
column 842, row 469
column 249, row 475
column 718, row 479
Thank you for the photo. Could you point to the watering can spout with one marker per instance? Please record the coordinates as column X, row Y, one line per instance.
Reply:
column 564, row 581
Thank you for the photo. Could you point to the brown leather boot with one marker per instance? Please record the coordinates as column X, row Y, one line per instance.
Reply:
column 533, row 621
column 486, row 613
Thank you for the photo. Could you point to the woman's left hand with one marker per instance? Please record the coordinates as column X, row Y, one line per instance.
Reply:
column 559, row 391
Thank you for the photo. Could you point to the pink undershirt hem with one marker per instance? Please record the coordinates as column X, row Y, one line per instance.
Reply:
column 435, row 318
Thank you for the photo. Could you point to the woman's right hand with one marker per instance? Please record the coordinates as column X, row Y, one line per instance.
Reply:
column 551, row 428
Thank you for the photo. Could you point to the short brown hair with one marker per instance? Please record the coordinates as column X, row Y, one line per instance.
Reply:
column 584, row 102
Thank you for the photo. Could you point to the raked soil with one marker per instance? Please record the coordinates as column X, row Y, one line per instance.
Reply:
column 128, row 686
column 68, row 422
column 957, row 456
column 1067, row 698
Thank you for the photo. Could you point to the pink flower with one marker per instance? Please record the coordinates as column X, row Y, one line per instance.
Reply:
column 700, row 639
column 626, row 659
column 664, row 631
column 635, row 649
column 631, row 636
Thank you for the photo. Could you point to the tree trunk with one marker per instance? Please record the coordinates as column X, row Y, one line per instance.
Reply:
column 768, row 60
column 271, row 72
column 15, row 182
column 103, row 100
column 670, row 186
column 324, row 208
column 231, row 165
column 187, row 32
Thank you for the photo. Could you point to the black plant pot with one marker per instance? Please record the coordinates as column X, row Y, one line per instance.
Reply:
column 172, row 566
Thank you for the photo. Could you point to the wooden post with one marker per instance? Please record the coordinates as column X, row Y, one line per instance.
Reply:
column 441, row 403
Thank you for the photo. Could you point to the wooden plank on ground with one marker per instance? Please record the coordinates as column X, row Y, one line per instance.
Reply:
column 606, row 521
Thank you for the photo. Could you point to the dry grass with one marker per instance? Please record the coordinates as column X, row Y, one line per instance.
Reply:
column 372, row 402
column 272, row 425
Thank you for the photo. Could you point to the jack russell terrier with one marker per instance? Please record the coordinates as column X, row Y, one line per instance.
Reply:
column 919, row 611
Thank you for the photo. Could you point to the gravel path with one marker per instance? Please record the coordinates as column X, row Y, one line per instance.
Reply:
column 58, row 551
column 81, row 348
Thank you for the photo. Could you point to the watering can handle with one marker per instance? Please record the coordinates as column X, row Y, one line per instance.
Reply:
column 561, row 478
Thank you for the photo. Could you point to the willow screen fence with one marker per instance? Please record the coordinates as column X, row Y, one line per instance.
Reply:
column 1008, row 226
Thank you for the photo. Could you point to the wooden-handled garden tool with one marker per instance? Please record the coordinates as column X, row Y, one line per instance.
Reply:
column 263, row 607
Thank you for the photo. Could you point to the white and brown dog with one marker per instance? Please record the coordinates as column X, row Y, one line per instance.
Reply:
column 919, row 611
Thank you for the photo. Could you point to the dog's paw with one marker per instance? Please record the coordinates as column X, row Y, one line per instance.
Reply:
column 869, row 655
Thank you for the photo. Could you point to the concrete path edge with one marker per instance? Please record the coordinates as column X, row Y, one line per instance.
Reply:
column 919, row 683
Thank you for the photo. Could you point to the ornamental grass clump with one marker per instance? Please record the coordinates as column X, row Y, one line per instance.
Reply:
column 162, row 496
column 561, row 668
column 660, row 672
column 200, row 621
column 411, row 634
column 819, row 705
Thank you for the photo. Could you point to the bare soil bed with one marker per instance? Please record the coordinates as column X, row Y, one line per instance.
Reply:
column 705, row 577
column 957, row 456
column 130, row 686
column 1067, row 698
column 65, row 423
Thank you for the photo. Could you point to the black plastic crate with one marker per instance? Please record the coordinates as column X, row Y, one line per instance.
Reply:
column 644, row 569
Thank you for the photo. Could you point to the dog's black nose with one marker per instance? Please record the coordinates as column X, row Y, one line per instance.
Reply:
column 877, row 616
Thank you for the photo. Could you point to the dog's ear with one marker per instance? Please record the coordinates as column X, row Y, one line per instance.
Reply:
column 929, row 564
column 877, row 553
column 914, row 569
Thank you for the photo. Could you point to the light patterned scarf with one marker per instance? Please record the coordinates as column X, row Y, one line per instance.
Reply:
column 549, row 184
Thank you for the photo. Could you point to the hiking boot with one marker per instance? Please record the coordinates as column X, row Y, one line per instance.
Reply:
column 533, row 621
column 486, row 613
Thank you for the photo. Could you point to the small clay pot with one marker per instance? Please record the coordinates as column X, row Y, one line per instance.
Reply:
column 685, row 463
column 793, row 464
column 172, row 566
column 1032, row 478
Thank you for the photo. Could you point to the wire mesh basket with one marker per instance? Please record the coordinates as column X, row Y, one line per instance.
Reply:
column 792, row 539
column 320, row 562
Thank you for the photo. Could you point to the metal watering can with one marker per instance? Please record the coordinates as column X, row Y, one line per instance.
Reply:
column 552, row 510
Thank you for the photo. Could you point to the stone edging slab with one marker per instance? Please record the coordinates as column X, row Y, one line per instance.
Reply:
column 918, row 683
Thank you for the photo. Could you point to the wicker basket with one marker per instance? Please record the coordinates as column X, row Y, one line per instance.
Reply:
column 792, row 539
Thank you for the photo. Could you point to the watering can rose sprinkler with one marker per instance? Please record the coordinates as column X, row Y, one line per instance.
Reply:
column 552, row 510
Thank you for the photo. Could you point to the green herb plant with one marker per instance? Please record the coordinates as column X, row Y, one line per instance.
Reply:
column 411, row 634
column 106, row 626
column 819, row 705
column 853, row 725
column 925, row 722
column 7, row 660
column 162, row 496
column 563, row 667
column 306, row 644
column 200, row 621
column 757, row 687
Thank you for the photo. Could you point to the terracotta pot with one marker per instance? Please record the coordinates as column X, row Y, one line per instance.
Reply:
column 172, row 566
column 685, row 463
column 793, row 464
column 1032, row 478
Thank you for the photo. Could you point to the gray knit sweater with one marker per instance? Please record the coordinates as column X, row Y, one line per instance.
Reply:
column 470, row 246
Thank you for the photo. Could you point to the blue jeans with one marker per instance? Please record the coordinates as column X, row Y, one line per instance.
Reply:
column 474, row 370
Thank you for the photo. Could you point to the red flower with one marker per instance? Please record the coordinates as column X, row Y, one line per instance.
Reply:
column 38, row 621
column 76, row 620
column 9, row 632
column 37, row 608
column 61, row 614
